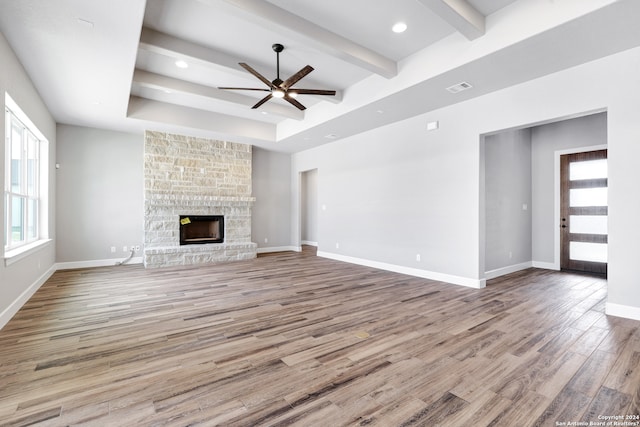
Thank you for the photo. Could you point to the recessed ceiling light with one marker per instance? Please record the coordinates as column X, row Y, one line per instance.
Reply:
column 399, row 27
column 181, row 64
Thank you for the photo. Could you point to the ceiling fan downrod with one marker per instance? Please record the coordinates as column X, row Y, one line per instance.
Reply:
column 277, row 48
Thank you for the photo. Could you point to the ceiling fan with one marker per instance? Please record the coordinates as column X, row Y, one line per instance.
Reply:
column 279, row 88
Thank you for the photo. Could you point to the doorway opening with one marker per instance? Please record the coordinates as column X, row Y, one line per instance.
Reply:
column 309, row 208
column 520, row 191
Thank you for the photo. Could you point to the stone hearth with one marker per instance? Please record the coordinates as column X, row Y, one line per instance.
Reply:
column 195, row 176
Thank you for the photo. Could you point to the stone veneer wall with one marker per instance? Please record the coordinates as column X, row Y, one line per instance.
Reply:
column 195, row 176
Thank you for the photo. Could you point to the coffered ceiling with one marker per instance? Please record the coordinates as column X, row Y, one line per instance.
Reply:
column 112, row 64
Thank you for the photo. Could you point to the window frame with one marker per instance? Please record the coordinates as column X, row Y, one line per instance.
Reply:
column 30, row 187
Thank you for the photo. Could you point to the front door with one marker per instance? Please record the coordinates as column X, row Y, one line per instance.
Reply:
column 583, row 212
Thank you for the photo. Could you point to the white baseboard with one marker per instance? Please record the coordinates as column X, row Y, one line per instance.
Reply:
column 96, row 263
column 492, row 274
column 16, row 305
column 279, row 249
column 619, row 310
column 425, row 274
column 545, row 265
column 309, row 242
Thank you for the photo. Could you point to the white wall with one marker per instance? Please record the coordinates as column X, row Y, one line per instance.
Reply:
column 624, row 175
column 100, row 198
column 20, row 279
column 508, row 199
column 397, row 191
column 271, row 213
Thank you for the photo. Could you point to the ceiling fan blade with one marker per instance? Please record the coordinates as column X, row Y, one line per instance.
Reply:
column 245, row 88
column 296, row 77
column 295, row 103
column 314, row 91
column 262, row 101
column 262, row 78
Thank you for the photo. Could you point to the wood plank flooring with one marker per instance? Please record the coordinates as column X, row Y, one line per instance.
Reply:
column 293, row 339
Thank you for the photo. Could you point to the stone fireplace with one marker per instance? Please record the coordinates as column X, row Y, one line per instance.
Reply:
column 187, row 179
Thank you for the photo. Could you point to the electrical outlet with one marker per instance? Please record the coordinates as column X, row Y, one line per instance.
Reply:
column 337, row 245
column 113, row 249
column 132, row 248
column 137, row 248
column 266, row 240
column 418, row 257
column 124, row 249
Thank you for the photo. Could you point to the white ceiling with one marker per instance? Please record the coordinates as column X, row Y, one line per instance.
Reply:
column 111, row 64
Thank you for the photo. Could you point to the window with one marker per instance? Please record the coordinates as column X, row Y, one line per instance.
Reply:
column 23, row 185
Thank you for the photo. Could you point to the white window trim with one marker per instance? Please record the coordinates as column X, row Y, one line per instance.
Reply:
column 15, row 255
column 26, row 249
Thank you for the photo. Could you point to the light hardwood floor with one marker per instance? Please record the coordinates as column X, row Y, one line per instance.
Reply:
column 293, row 339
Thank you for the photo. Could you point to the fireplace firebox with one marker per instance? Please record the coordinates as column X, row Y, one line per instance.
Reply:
column 201, row 229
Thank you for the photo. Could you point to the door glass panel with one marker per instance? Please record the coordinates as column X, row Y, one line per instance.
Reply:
column 588, row 224
column 588, row 197
column 591, row 169
column 582, row 251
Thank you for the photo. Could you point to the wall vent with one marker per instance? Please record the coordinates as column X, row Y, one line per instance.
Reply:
column 459, row 87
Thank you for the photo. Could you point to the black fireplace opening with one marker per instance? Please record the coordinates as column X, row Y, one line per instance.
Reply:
column 201, row 229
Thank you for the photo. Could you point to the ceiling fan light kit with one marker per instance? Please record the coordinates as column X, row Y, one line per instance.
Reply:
column 279, row 88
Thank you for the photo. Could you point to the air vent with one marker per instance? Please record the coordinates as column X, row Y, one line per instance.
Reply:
column 433, row 125
column 459, row 87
